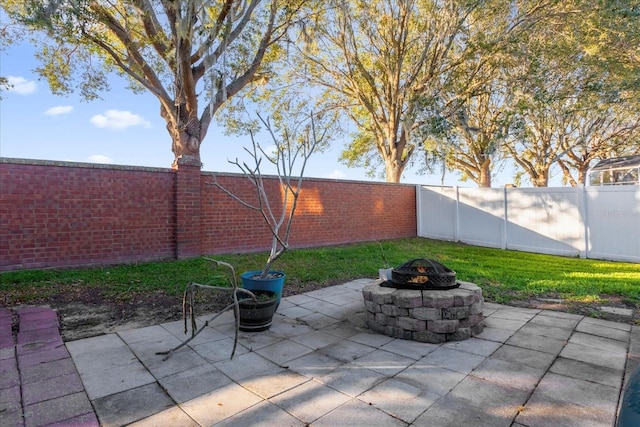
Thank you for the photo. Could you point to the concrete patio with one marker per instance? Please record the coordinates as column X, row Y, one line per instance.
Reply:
column 319, row 365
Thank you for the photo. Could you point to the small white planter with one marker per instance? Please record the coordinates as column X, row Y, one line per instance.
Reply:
column 385, row 274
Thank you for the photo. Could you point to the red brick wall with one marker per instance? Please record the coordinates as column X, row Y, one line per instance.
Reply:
column 56, row 214
column 329, row 212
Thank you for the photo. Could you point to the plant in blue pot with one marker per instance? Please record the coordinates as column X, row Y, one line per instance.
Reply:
column 291, row 148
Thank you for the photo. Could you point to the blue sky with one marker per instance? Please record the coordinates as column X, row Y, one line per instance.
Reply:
column 126, row 129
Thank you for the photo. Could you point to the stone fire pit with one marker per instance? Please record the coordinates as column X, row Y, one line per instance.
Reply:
column 432, row 316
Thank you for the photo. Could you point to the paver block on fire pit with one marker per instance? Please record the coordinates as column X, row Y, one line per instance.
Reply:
column 407, row 298
column 471, row 287
column 428, row 336
column 412, row 324
column 459, row 335
column 442, row 326
column 372, row 307
column 455, row 313
column 394, row 310
column 463, row 297
column 426, row 313
column 476, row 307
column 382, row 295
column 438, row 299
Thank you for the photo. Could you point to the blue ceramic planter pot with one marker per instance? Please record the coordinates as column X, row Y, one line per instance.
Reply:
column 251, row 281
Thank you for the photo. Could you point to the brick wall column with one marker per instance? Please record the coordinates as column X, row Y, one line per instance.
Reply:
column 188, row 208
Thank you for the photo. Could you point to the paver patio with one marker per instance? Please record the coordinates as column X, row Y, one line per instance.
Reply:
column 319, row 365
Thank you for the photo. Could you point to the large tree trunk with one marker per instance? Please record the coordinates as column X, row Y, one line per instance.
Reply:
column 484, row 178
column 185, row 139
column 393, row 170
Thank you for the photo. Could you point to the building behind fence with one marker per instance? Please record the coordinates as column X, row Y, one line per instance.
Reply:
column 590, row 222
column 59, row 214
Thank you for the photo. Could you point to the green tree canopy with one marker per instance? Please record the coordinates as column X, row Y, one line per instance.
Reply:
column 192, row 55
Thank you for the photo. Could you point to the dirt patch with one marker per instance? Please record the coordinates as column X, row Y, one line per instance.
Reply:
column 85, row 313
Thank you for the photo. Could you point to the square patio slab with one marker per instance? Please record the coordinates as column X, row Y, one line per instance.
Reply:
column 602, row 330
column 264, row 414
column 282, row 352
column 514, row 314
column 272, row 383
column 189, row 384
column 509, row 374
column 310, row 401
column 371, row 339
column 44, row 356
column 546, row 331
column 524, row 356
column 607, row 323
column 217, row 351
column 220, row 404
column 51, row 388
column 594, row 356
column 431, row 378
column 451, row 411
column 384, row 362
column 257, row 340
column 346, row 351
column 181, row 360
column 288, row 328
column 347, row 328
column 47, row 370
column 534, row 342
column 413, row 349
column 245, row 366
column 400, row 399
column 474, row 346
column 351, row 379
column 56, row 410
column 544, row 320
column 131, row 405
column 499, row 400
column 604, row 344
column 578, row 392
column 174, row 417
column 356, row 413
column 155, row 332
column 508, row 324
column 318, row 320
column 544, row 411
column 452, row 359
column 585, row 371
column 314, row 365
column 117, row 379
column 494, row 334
column 316, row 339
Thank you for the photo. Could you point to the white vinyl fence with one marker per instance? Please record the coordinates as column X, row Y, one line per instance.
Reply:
column 590, row 222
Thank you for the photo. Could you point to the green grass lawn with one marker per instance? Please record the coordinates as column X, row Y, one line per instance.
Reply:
column 505, row 276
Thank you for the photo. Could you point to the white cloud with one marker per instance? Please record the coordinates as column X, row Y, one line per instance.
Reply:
column 59, row 110
column 20, row 85
column 118, row 120
column 99, row 158
column 336, row 174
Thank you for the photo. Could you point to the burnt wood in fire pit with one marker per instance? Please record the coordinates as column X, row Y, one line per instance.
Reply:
column 422, row 273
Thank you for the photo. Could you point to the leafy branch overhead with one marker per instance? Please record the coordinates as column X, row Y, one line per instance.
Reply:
column 192, row 55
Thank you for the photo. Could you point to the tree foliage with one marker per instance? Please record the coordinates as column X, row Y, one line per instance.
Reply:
column 370, row 60
column 181, row 51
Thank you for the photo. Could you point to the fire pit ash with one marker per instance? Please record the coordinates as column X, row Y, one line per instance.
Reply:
column 422, row 273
